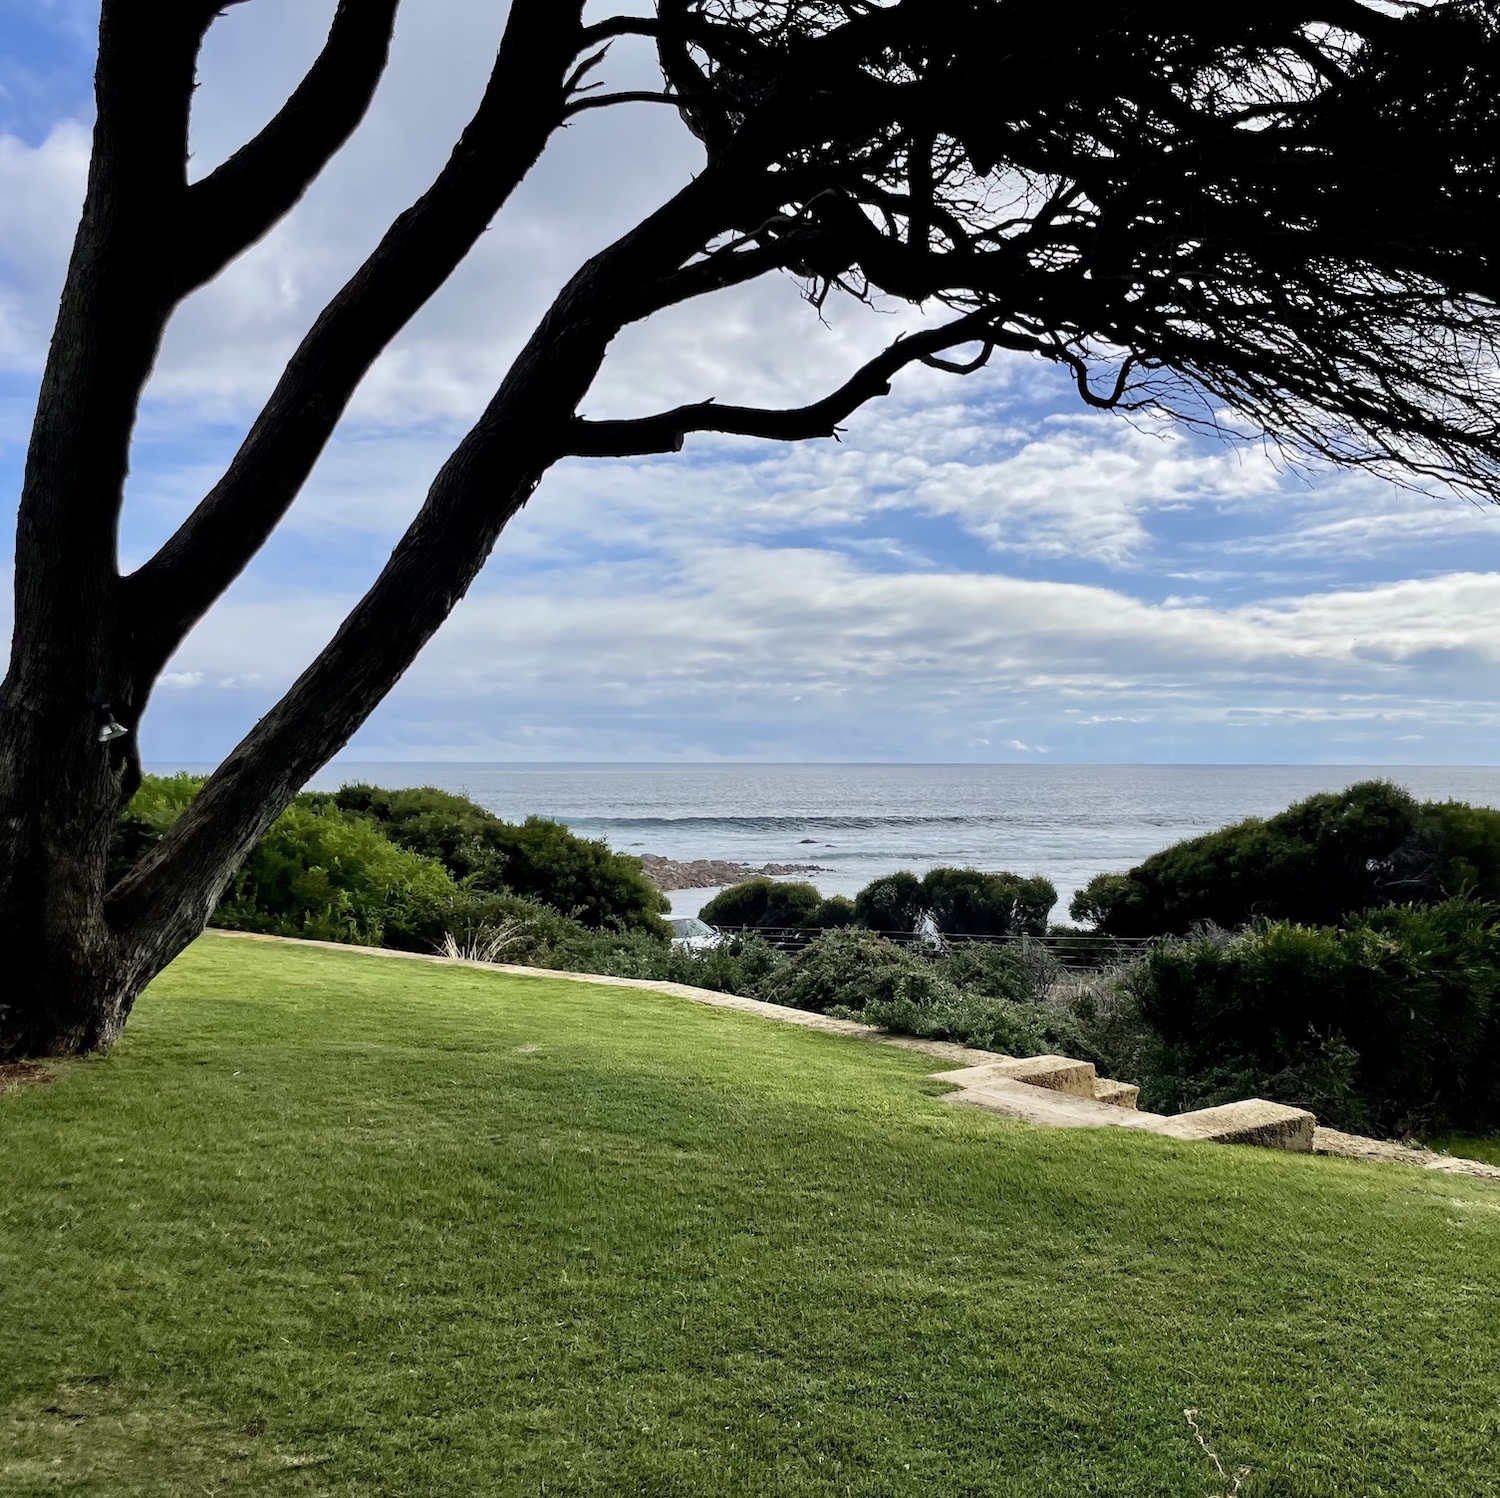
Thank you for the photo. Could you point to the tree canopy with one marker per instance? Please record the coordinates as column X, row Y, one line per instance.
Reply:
column 1316, row 863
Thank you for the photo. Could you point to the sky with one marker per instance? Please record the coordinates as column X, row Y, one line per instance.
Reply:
column 981, row 570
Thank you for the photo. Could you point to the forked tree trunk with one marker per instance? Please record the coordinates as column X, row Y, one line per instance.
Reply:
column 88, row 644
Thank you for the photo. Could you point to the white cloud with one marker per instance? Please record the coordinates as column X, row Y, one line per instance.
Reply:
column 770, row 640
column 41, row 190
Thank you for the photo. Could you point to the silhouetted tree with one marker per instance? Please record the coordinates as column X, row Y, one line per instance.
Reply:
column 1274, row 214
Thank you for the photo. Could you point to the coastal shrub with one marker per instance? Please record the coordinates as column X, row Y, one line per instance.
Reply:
column 538, row 859
column 1454, row 852
column 583, row 878
column 330, row 876
column 466, row 839
column 1101, row 902
column 1391, row 1022
column 989, row 1023
column 987, row 971
column 980, row 998
column 318, row 873
column 1316, row 862
column 536, row 936
column 741, row 964
column 852, row 969
column 835, row 913
column 962, row 902
column 766, row 903
column 967, row 902
column 157, row 803
column 407, row 868
column 894, row 903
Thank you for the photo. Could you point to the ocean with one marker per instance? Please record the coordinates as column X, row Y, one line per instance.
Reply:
column 855, row 822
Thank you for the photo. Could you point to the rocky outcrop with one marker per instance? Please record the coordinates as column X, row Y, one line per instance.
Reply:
column 668, row 874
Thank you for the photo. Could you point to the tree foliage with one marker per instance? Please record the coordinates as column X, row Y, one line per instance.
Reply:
column 894, row 903
column 1315, row 863
column 403, row 868
column 329, row 876
column 966, row 902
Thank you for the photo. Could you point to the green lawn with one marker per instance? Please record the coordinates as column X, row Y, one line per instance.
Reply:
column 327, row 1223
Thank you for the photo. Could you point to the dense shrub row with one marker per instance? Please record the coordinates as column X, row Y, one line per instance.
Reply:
column 960, row 902
column 771, row 904
column 406, row 868
column 1342, row 955
column 1390, row 1022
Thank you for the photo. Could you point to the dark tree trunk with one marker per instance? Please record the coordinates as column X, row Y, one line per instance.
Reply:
column 60, row 786
column 89, row 644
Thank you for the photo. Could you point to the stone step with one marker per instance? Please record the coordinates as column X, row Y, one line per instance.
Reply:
column 1116, row 1094
column 1254, row 1121
column 1056, row 1110
column 1054, row 1073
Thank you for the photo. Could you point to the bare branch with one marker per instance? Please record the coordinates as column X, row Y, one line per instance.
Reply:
column 521, row 107
column 242, row 199
column 666, row 432
column 603, row 31
column 971, row 366
column 630, row 96
column 491, row 474
column 1060, row 353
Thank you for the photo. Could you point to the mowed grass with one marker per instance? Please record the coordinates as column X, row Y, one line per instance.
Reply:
column 330, row 1223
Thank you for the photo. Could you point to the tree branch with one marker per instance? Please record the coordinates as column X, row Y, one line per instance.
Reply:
column 604, row 31
column 521, row 107
column 491, row 474
column 629, row 96
column 666, row 432
column 241, row 200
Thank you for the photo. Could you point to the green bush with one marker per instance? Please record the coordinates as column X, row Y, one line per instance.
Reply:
column 966, row 902
column 1455, row 852
column 1392, row 1022
column 157, row 803
column 739, row 965
column 1316, row 862
column 994, row 972
column 466, row 839
column 1102, row 902
column 835, row 913
column 852, row 969
column 960, row 902
column 526, row 932
column 894, row 903
column 766, row 903
column 405, row 868
column 330, row 876
column 990, row 1024
column 539, row 859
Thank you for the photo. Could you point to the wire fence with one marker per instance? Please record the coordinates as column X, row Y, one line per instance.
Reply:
column 1081, row 949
